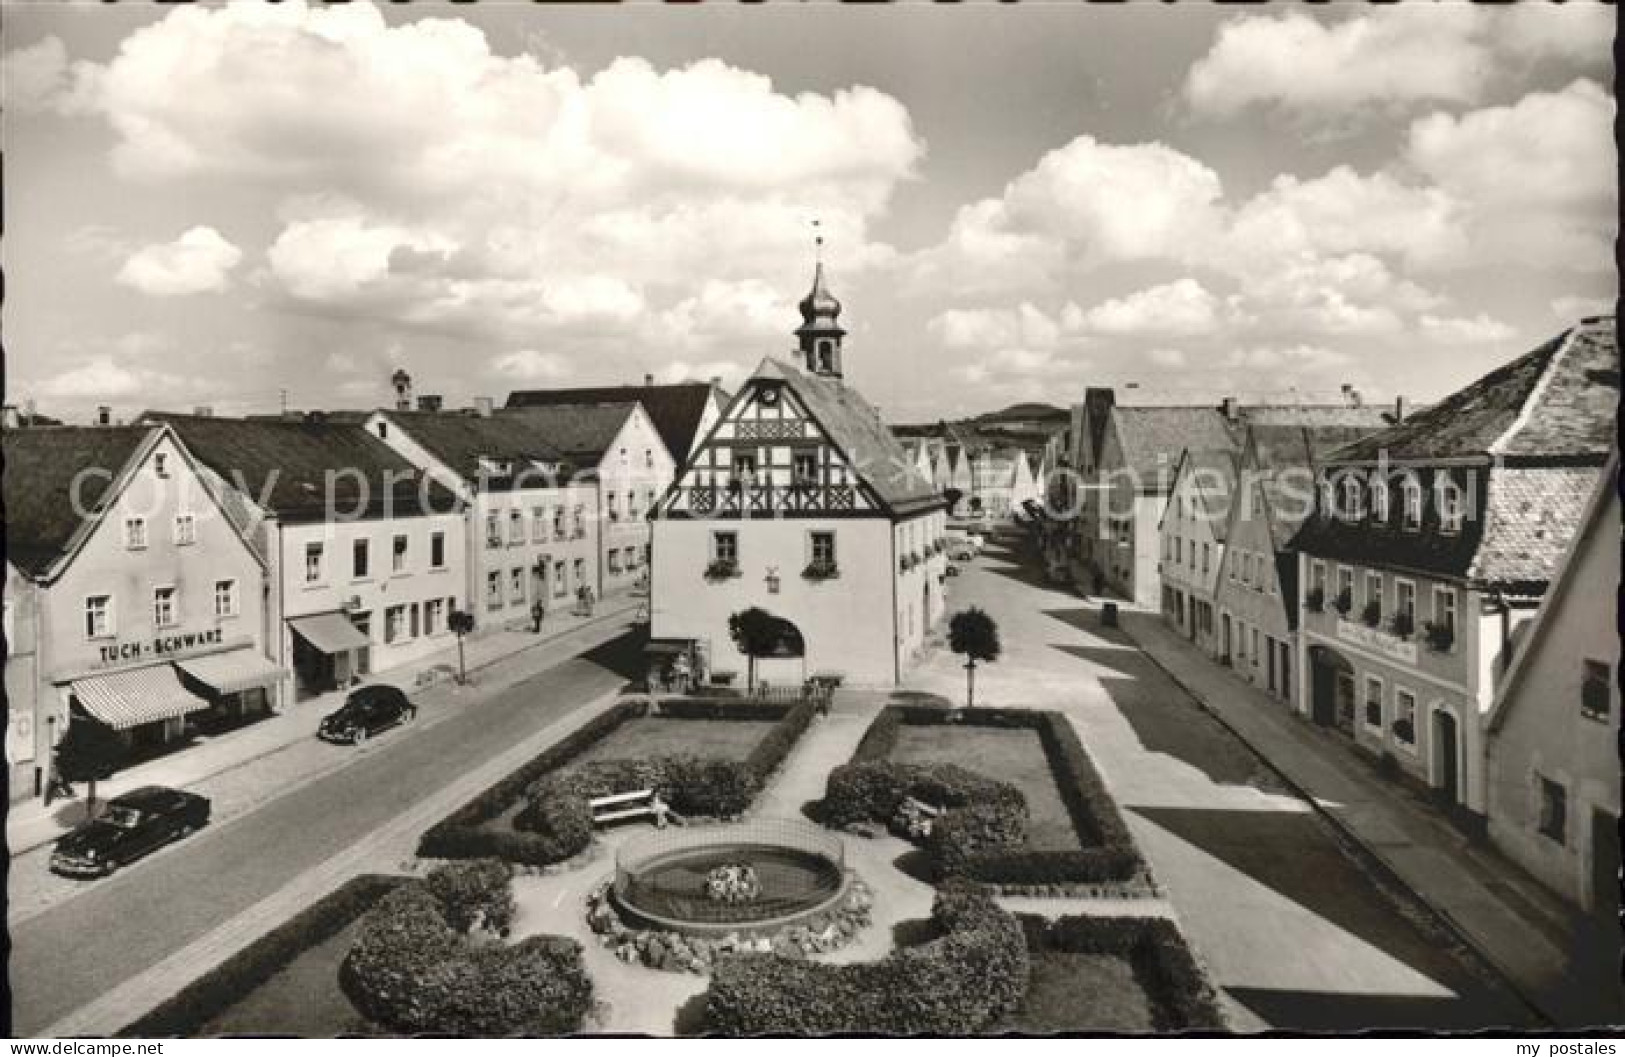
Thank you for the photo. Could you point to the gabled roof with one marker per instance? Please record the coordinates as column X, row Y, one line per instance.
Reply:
column 1287, row 458
column 853, row 425
column 289, row 468
column 1152, row 439
column 43, row 466
column 582, row 432
column 1214, row 476
column 1557, row 401
column 676, row 410
column 462, row 441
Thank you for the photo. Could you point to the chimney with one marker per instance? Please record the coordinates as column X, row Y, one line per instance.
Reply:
column 9, row 418
column 716, row 381
column 429, row 402
column 317, row 417
column 648, row 379
column 1231, row 409
column 203, row 411
column 403, row 389
column 1400, row 409
column 482, row 406
column 104, row 415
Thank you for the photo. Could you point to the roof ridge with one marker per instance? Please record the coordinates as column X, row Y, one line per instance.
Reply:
column 1536, row 391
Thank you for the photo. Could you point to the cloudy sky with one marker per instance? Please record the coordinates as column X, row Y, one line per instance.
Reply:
column 207, row 205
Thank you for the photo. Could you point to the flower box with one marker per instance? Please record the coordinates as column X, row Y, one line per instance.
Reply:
column 821, row 571
column 1371, row 615
column 721, row 569
column 1440, row 637
column 1405, row 731
column 1403, row 625
column 1316, row 600
column 1343, row 602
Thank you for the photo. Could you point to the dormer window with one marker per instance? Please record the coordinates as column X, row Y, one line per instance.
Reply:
column 493, row 467
column 1411, row 493
column 1328, row 503
column 1352, row 508
column 1450, row 506
column 1379, row 500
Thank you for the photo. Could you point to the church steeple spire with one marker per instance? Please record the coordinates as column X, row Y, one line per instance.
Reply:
column 819, row 336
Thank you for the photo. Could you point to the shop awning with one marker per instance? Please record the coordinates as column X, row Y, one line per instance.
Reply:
column 128, row 699
column 329, row 632
column 233, row 671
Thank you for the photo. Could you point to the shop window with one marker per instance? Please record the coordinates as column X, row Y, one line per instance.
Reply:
column 1554, row 810
column 163, row 607
column 225, row 598
column 1373, row 702
column 98, row 616
column 1596, row 690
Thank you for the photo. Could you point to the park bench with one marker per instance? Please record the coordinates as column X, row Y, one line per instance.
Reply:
column 635, row 804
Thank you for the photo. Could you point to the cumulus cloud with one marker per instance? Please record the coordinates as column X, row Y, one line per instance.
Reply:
column 1536, row 180
column 424, row 180
column 1181, row 307
column 1294, row 359
column 200, row 261
column 986, row 328
column 109, row 378
column 529, row 365
column 1462, row 330
column 38, row 78
column 1386, row 58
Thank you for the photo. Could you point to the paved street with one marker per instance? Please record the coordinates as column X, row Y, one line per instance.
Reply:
column 75, row 951
column 1293, row 927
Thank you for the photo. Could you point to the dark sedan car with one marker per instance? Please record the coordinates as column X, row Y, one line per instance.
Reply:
column 366, row 712
column 138, row 822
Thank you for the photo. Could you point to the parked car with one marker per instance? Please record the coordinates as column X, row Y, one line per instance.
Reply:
column 140, row 821
column 366, row 712
column 961, row 551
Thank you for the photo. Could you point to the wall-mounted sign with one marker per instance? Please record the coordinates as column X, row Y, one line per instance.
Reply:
column 161, row 646
column 1378, row 641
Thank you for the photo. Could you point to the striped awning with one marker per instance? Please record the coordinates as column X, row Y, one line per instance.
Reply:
column 232, row 671
column 144, row 695
column 329, row 632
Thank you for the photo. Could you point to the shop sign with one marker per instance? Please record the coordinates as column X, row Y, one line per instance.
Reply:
column 161, row 646
column 1377, row 641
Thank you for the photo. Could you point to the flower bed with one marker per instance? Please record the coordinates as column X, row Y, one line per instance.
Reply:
column 1181, row 997
column 677, row 952
column 209, row 1000
column 415, row 968
column 985, row 843
column 554, row 821
column 956, row 984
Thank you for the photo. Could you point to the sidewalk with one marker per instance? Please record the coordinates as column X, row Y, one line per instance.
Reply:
column 31, row 823
column 1523, row 931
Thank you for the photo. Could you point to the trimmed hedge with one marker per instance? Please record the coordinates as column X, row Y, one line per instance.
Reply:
column 475, row 893
column 189, row 1010
column 1182, row 999
column 967, row 849
column 957, row 984
column 556, row 822
column 413, row 971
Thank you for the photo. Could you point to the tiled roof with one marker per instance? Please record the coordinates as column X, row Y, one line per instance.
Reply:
column 461, row 441
column 1530, row 523
column 854, row 426
column 41, row 467
column 582, row 432
column 675, row 410
column 1558, row 400
column 290, row 468
column 1213, row 480
column 1290, row 457
column 1153, row 438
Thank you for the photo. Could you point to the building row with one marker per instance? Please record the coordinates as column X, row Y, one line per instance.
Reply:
column 1396, row 578
column 191, row 572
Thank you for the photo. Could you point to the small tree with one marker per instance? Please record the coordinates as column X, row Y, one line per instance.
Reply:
column 461, row 624
column 974, row 634
column 756, row 632
column 953, row 495
column 88, row 752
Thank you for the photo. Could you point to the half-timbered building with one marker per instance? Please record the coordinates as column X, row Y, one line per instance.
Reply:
column 800, row 502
